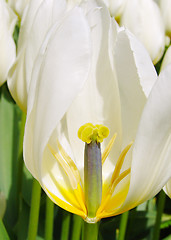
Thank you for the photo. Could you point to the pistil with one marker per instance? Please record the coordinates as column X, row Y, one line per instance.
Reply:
column 92, row 136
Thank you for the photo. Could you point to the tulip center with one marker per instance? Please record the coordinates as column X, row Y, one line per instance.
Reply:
column 92, row 136
column 92, row 200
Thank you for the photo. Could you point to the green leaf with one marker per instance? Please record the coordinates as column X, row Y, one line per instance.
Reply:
column 3, row 232
column 9, row 134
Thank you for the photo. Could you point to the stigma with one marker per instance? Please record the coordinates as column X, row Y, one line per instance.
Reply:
column 93, row 133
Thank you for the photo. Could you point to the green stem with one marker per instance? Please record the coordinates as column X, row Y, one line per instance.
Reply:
column 49, row 219
column 160, row 208
column 76, row 227
column 90, row 231
column 65, row 225
column 123, row 225
column 34, row 211
column 20, row 159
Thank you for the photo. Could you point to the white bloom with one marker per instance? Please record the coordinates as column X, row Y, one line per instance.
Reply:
column 7, row 45
column 115, row 7
column 32, row 34
column 143, row 18
column 165, row 6
column 79, row 77
column 18, row 6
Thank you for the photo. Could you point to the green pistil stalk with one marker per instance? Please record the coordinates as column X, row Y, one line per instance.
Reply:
column 92, row 177
column 93, row 136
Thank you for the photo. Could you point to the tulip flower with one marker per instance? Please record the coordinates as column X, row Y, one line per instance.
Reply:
column 165, row 6
column 115, row 7
column 30, row 39
column 167, row 61
column 18, row 6
column 7, row 48
column 20, row 72
column 86, row 140
column 143, row 18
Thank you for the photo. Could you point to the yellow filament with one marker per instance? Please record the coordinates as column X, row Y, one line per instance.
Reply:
column 108, row 148
column 111, row 190
column 120, row 163
column 68, row 194
column 66, row 167
column 70, row 162
column 112, row 208
column 72, row 172
column 80, row 198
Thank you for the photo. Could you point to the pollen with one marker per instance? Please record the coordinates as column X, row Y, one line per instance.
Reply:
column 93, row 133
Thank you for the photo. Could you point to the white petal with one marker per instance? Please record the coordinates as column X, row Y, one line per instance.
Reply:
column 17, row 80
column 59, row 78
column 116, row 7
column 151, row 165
column 143, row 18
column 167, row 188
column 7, row 46
column 98, row 102
column 136, row 76
column 30, row 41
column 165, row 6
column 18, row 5
column 167, row 59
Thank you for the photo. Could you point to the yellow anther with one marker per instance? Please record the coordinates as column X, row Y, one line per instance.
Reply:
column 89, row 133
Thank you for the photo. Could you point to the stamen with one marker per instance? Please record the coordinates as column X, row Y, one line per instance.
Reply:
column 70, row 162
column 120, row 162
column 111, row 190
column 72, row 173
column 108, row 148
column 65, row 166
column 118, row 179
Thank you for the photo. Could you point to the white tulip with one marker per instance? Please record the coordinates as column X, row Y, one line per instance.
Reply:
column 18, row 6
column 115, row 7
column 81, row 78
column 41, row 14
column 143, row 18
column 165, row 6
column 7, row 46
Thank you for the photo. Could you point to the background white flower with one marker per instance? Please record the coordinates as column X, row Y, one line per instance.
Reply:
column 7, row 46
column 18, row 6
